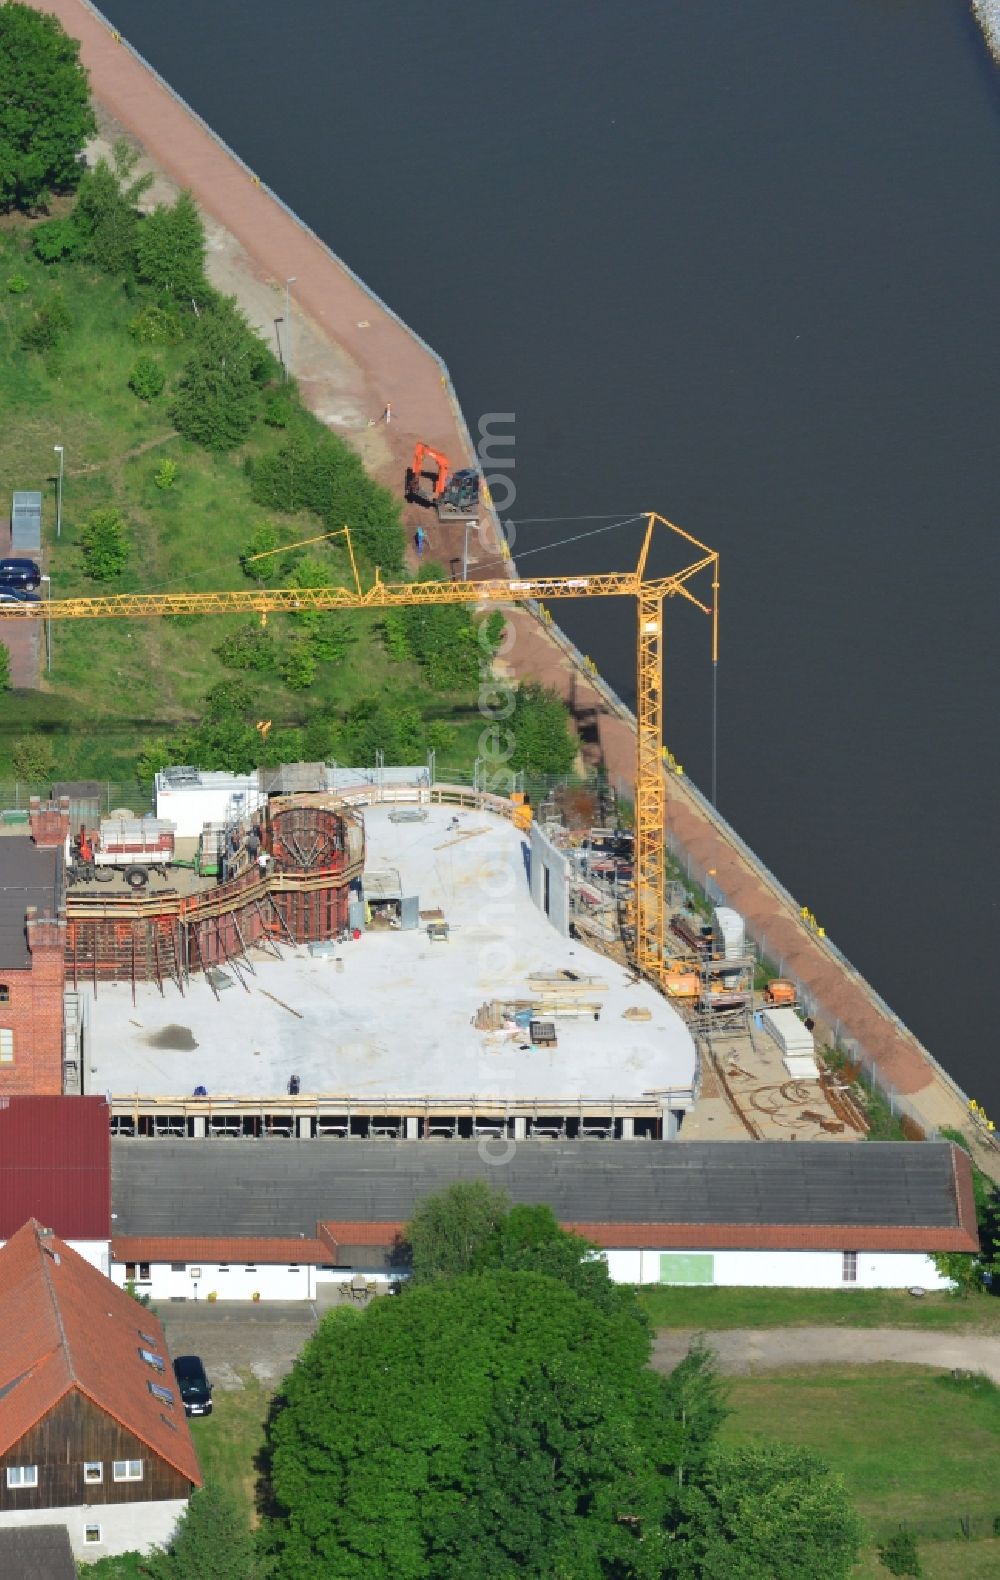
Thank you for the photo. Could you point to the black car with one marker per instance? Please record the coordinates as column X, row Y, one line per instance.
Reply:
column 17, row 595
column 195, row 1388
column 20, row 573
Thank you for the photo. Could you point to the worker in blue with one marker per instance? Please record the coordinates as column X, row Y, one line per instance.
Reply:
column 420, row 538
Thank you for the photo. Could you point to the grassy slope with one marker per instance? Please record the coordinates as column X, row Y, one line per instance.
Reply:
column 858, row 1308
column 229, row 1440
column 114, row 684
column 912, row 1446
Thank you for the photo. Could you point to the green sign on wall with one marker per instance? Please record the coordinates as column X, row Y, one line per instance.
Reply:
column 687, row 1267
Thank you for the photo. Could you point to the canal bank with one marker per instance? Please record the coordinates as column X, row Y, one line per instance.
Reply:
column 393, row 369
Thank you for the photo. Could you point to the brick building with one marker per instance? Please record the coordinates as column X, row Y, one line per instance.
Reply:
column 32, row 954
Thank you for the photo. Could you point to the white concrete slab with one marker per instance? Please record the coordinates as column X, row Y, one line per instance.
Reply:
column 397, row 1018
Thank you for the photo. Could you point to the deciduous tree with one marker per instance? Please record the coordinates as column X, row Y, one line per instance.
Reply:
column 170, row 249
column 449, row 1231
column 381, row 1478
column 45, row 113
column 543, row 742
column 105, row 546
column 768, row 1511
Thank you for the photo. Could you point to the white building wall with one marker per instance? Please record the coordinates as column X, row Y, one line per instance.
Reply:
column 96, row 1252
column 239, row 1282
column 783, row 1269
column 125, row 1527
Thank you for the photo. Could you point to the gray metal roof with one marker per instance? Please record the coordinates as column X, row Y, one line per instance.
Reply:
column 28, row 876
column 37, row 1552
column 282, row 1187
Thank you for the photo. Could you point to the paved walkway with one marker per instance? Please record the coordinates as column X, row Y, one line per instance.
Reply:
column 392, row 367
column 745, row 1351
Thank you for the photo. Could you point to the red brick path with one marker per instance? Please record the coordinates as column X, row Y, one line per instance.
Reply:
column 400, row 371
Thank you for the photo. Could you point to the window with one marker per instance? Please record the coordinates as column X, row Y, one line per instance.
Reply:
column 147, row 1338
column 152, row 1359
column 22, row 1475
column 294, row 1268
column 249, row 1268
column 4, row 993
column 138, row 1273
column 93, row 1471
column 159, row 1392
column 849, row 1272
column 6, row 1045
column 92, row 1535
column 167, row 1422
column 223, row 1267
column 178, row 1267
column 127, row 1470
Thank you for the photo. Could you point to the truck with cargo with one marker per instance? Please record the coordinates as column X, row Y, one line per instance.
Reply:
column 133, row 846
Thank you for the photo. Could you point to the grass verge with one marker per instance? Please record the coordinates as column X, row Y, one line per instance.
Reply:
column 850, row 1308
column 229, row 1440
column 912, row 1445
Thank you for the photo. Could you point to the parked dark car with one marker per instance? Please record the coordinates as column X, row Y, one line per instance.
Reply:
column 195, row 1388
column 17, row 595
column 20, row 573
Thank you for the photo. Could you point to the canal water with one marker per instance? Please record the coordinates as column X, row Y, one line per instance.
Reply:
column 737, row 264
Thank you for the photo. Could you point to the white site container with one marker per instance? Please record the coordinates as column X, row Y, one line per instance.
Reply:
column 201, row 797
column 731, row 932
column 788, row 1032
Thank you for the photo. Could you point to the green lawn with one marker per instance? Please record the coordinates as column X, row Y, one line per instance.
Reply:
column 854, row 1308
column 116, row 684
column 229, row 1440
column 912, row 1445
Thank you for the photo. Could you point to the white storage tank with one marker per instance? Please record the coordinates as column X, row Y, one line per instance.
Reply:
column 730, row 932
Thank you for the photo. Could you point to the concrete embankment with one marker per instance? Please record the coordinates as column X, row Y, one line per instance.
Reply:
column 388, row 366
column 987, row 14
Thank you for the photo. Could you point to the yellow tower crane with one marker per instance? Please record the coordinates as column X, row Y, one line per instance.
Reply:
column 649, row 593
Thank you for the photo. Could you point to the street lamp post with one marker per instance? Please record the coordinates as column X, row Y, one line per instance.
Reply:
column 288, row 324
column 48, row 624
column 59, row 488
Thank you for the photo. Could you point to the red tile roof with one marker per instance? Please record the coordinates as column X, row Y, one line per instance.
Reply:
column 199, row 1248
column 772, row 1237
column 55, row 1165
column 714, row 1236
column 64, row 1326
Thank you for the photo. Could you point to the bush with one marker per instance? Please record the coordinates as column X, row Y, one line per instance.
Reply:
column 899, row 1554
column 105, row 548
column 147, row 379
column 48, row 327
column 4, row 667
column 165, row 475
column 31, row 758
column 278, row 409
column 158, row 325
column 264, row 540
column 248, row 647
column 298, row 667
column 17, row 284
column 55, row 239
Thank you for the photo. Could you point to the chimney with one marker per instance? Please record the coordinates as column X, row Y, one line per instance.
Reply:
column 49, row 821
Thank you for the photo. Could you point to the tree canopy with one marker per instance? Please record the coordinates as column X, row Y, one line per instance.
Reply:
column 170, row 249
column 45, row 113
column 542, row 740
column 387, row 1477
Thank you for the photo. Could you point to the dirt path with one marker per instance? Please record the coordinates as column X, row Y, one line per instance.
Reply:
column 744, row 1351
column 353, row 358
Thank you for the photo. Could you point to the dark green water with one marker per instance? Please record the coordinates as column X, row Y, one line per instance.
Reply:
column 737, row 263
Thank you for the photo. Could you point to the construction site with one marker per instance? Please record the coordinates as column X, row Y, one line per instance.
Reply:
column 287, row 954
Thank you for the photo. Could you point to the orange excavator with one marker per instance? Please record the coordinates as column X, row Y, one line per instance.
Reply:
column 453, row 494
